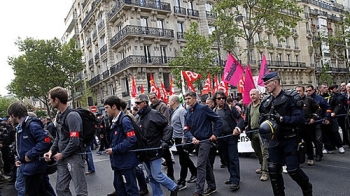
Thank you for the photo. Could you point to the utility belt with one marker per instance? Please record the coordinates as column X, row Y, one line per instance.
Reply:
column 287, row 133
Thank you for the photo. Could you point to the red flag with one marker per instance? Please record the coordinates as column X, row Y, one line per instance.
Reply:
column 172, row 91
column 223, row 86
column 240, row 86
column 133, row 87
column 233, row 71
column 216, row 84
column 142, row 89
column 154, row 88
column 207, row 86
column 263, row 71
column 190, row 78
column 165, row 93
column 248, row 85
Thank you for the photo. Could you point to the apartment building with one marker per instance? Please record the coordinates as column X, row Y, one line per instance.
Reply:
column 127, row 38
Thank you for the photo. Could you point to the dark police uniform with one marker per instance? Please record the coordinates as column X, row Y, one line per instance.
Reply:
column 288, row 111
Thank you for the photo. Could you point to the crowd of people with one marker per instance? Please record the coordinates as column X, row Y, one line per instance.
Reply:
column 277, row 124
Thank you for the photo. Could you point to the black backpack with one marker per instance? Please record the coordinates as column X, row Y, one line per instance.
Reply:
column 89, row 124
column 139, row 143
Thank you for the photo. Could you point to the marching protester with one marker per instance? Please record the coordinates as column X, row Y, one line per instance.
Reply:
column 199, row 130
column 282, row 123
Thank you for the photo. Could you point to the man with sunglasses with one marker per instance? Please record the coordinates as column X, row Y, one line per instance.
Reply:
column 285, row 109
column 233, row 123
column 311, row 92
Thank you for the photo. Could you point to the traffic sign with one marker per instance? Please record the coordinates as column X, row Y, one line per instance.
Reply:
column 93, row 109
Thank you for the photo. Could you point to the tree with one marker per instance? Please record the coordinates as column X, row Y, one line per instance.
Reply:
column 325, row 77
column 43, row 65
column 196, row 56
column 239, row 20
column 5, row 102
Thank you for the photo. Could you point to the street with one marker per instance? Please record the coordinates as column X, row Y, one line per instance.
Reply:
column 329, row 177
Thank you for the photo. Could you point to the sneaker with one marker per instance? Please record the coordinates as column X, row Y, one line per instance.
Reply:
column 234, row 187
column 89, row 172
column 264, row 177
column 209, row 191
column 197, row 194
column 327, row 151
column 284, row 169
column 228, row 181
column 174, row 192
column 182, row 186
column 341, row 150
column 222, row 166
column 143, row 192
column 114, row 193
column 192, row 179
column 258, row 171
column 310, row 162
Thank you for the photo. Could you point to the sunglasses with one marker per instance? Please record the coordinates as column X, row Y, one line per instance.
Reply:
column 220, row 98
column 308, row 91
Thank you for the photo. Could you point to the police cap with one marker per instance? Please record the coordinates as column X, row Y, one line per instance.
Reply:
column 271, row 76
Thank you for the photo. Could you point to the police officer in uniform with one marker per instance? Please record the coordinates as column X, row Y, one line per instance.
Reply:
column 281, row 113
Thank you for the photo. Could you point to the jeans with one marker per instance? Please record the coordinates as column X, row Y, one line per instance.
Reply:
column 20, row 184
column 157, row 178
column 229, row 150
column 185, row 161
column 125, row 182
column 89, row 159
column 204, row 169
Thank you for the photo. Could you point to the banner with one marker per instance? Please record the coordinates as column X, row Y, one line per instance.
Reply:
column 216, row 85
column 133, row 87
column 142, row 89
column 165, row 93
column 223, row 86
column 233, row 71
column 263, row 71
column 240, row 87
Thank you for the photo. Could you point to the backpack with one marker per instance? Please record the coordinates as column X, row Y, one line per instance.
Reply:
column 139, row 142
column 29, row 120
column 89, row 123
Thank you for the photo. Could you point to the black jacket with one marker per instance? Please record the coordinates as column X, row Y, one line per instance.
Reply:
column 153, row 132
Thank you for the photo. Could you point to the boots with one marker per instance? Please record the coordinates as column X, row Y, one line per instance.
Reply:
column 275, row 172
column 302, row 180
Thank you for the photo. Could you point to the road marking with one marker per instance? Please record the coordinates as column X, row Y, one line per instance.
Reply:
column 100, row 160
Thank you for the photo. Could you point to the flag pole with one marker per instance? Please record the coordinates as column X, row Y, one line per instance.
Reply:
column 183, row 84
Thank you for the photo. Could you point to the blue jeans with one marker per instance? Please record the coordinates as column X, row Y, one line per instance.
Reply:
column 157, row 178
column 125, row 182
column 89, row 159
column 20, row 184
column 229, row 150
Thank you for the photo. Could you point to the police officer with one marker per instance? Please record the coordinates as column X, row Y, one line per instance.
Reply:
column 283, row 110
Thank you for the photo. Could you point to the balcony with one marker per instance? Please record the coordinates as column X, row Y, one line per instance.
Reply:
column 192, row 12
column 136, row 31
column 101, row 25
column 180, row 35
column 314, row 12
column 105, row 74
column 144, row 5
column 78, row 77
column 97, row 57
column 103, row 49
column 88, row 16
column 138, row 60
column 94, row 35
column 88, row 42
column 179, row 10
column 286, row 64
column 209, row 14
column 95, row 80
column 91, row 62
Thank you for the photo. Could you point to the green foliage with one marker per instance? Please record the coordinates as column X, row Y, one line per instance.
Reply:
column 41, row 113
column 196, row 56
column 325, row 77
column 242, row 19
column 4, row 104
column 43, row 64
column 84, row 98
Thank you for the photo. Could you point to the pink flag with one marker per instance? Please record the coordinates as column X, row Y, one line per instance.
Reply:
column 248, row 85
column 263, row 71
column 233, row 71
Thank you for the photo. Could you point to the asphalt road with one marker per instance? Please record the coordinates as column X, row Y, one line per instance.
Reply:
column 329, row 177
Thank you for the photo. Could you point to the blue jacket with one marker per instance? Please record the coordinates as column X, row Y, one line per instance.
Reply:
column 198, row 123
column 33, row 143
column 323, row 104
column 122, row 139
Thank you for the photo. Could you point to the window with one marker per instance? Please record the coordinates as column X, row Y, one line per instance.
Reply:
column 122, row 55
column 102, row 41
column 144, row 25
column 251, row 56
column 288, row 58
column 307, row 26
column 163, row 54
column 125, row 85
column 271, row 56
column 177, row 3
column 111, row 89
column 287, row 43
column 297, row 58
column 296, row 43
column 180, row 30
column 166, row 77
column 259, row 37
column 279, row 57
column 211, row 29
column 160, row 26
column 190, row 5
column 142, row 2
column 147, row 50
column 208, row 7
column 104, row 66
column 118, row 28
column 101, row 94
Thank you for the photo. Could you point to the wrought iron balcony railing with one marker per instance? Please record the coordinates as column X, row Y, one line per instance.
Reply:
column 135, row 59
column 95, row 80
column 210, row 14
column 180, row 35
column 179, row 10
column 103, row 49
column 100, row 25
column 139, row 30
column 105, row 74
column 192, row 12
column 97, row 57
column 286, row 64
column 91, row 62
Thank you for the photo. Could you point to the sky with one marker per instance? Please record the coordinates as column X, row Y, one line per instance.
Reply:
column 40, row 19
